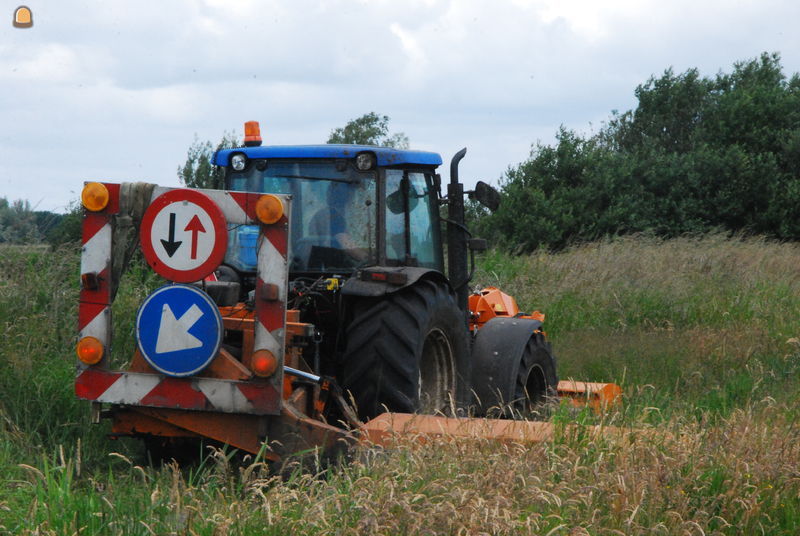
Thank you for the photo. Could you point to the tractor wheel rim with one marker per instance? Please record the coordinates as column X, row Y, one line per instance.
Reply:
column 535, row 387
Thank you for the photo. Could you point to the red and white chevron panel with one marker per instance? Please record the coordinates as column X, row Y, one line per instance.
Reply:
column 98, row 384
column 94, row 310
column 239, row 208
column 155, row 390
column 273, row 277
column 272, row 269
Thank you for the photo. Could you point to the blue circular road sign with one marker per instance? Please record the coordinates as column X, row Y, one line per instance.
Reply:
column 179, row 330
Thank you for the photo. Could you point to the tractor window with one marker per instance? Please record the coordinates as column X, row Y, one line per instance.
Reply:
column 409, row 200
column 395, row 218
column 333, row 211
column 423, row 217
column 336, row 227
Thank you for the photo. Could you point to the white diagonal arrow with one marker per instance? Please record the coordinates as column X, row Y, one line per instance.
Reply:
column 173, row 333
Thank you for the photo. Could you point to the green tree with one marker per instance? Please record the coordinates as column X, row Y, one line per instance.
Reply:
column 18, row 223
column 369, row 129
column 69, row 226
column 198, row 171
column 697, row 153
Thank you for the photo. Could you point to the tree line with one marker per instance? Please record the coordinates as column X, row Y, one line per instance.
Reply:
column 20, row 224
column 696, row 154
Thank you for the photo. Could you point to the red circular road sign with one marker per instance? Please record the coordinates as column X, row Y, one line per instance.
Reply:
column 183, row 235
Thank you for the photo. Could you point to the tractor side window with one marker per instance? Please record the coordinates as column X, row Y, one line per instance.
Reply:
column 422, row 216
column 409, row 201
column 395, row 218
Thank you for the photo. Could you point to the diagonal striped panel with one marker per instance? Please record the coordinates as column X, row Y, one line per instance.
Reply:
column 155, row 390
column 262, row 397
column 273, row 273
column 101, row 294
column 94, row 311
column 94, row 320
column 277, row 237
column 93, row 382
column 237, row 207
column 93, row 222
column 247, row 202
column 130, row 388
column 269, row 340
column 221, row 395
column 176, row 393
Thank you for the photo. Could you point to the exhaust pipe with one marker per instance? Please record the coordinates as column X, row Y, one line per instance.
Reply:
column 456, row 234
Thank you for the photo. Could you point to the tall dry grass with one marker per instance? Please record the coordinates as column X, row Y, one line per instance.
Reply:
column 738, row 477
column 701, row 332
column 654, row 283
column 690, row 323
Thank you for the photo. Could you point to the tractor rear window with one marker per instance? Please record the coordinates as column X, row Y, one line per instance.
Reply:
column 333, row 210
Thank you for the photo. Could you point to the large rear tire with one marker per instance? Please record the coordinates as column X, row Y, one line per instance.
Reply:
column 407, row 352
column 536, row 379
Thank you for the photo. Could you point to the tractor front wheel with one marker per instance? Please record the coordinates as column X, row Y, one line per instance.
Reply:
column 513, row 368
column 407, row 352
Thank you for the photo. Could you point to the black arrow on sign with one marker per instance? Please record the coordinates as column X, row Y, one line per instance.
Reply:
column 171, row 246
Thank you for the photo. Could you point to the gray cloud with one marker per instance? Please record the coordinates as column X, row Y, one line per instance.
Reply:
column 117, row 91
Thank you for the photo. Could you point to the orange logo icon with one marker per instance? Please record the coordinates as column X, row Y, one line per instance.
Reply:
column 23, row 18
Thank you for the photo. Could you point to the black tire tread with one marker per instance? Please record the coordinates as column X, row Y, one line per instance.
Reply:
column 538, row 351
column 380, row 367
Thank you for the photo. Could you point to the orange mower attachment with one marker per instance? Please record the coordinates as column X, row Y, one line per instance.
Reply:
column 491, row 305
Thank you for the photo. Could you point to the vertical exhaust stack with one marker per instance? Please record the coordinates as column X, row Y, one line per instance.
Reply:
column 456, row 233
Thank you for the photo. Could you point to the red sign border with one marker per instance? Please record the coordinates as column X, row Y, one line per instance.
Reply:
column 220, row 235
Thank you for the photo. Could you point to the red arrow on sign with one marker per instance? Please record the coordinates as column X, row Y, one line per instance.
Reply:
column 194, row 226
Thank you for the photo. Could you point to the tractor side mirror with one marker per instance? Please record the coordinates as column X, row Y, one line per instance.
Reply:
column 486, row 196
column 395, row 201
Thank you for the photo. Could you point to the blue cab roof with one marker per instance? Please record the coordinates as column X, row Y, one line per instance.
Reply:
column 386, row 156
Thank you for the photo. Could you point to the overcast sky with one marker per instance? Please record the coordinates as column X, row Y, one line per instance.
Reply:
column 118, row 90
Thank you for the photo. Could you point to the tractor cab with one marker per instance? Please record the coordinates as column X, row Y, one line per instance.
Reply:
column 354, row 206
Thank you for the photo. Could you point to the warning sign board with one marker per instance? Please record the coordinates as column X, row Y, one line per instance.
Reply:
column 183, row 235
column 178, row 330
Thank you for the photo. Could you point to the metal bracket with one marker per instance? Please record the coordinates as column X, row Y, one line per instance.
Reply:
column 95, row 408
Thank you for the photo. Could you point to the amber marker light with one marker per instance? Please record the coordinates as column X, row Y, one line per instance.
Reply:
column 264, row 364
column 252, row 134
column 269, row 209
column 94, row 196
column 89, row 350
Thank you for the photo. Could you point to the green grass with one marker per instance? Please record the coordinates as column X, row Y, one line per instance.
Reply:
column 702, row 333
column 704, row 321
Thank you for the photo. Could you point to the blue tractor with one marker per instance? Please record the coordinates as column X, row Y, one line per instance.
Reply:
column 367, row 269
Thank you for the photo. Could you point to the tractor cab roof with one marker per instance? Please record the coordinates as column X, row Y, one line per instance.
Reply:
column 386, row 156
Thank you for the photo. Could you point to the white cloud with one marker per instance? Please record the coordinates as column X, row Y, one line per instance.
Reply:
column 120, row 89
column 51, row 63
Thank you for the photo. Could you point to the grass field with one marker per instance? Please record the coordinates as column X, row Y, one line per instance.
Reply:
column 701, row 333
